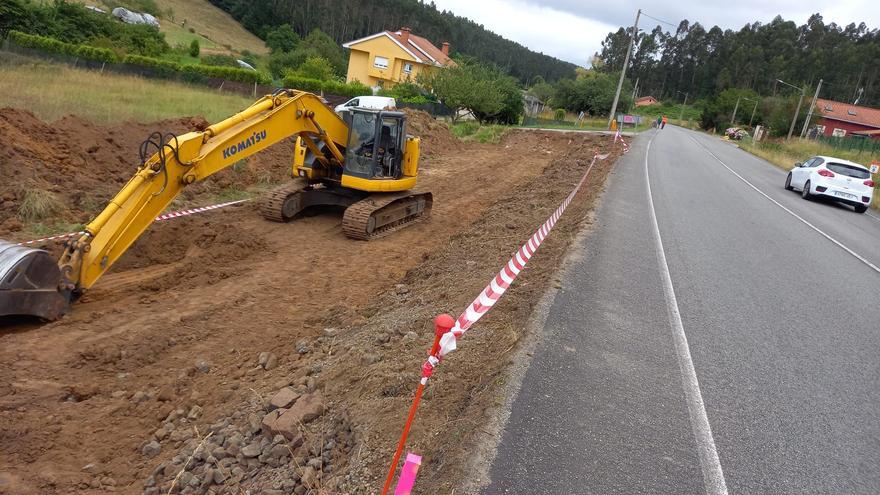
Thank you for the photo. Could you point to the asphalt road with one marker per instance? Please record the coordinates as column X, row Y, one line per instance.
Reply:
column 778, row 325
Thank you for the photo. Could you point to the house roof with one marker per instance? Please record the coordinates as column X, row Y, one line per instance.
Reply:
column 646, row 98
column 417, row 47
column 845, row 112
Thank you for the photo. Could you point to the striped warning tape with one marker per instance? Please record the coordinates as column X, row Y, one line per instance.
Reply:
column 166, row 216
column 502, row 281
column 619, row 136
column 44, row 239
column 193, row 211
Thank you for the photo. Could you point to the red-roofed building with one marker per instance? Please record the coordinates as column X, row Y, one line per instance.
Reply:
column 646, row 101
column 843, row 119
column 389, row 57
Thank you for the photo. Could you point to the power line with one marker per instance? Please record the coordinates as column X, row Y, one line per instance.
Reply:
column 659, row 20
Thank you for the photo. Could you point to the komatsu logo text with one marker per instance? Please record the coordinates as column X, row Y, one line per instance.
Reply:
column 245, row 144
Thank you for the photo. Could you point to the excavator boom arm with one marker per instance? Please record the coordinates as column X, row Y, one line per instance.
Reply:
column 179, row 161
column 193, row 157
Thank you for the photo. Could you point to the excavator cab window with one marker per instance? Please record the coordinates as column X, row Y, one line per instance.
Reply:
column 375, row 144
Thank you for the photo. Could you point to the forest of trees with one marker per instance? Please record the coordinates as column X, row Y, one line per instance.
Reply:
column 705, row 63
column 346, row 20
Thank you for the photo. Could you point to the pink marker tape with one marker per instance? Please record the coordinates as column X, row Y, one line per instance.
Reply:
column 408, row 474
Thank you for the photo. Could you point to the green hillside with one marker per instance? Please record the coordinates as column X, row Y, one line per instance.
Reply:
column 345, row 20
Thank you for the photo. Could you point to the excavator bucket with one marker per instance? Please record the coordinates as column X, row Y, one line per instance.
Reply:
column 29, row 283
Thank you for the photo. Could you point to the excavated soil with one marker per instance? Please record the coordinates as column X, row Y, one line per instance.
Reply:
column 82, row 164
column 172, row 337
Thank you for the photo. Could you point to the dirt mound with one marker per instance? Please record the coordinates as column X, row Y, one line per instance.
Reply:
column 436, row 136
column 77, row 166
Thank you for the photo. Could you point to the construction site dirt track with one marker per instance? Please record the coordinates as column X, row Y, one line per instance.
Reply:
column 172, row 337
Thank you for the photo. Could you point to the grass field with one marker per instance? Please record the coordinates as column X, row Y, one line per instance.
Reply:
column 473, row 131
column 210, row 22
column 52, row 91
column 785, row 154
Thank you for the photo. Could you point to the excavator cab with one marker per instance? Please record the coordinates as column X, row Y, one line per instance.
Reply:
column 375, row 144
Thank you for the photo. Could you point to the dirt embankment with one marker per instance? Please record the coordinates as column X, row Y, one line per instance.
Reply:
column 76, row 166
column 164, row 372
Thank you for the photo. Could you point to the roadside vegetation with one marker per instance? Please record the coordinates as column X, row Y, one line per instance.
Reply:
column 785, row 154
column 52, row 91
column 473, row 131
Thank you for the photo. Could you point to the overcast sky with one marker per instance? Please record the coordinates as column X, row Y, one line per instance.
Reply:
column 573, row 30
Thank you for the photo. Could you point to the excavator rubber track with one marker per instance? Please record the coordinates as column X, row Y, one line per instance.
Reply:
column 283, row 203
column 381, row 214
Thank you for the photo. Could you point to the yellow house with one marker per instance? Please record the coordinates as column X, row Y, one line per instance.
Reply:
column 389, row 57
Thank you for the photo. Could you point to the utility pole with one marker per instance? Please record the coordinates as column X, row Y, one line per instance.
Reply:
column 810, row 113
column 681, row 114
column 632, row 40
column 735, row 108
column 798, row 110
column 753, row 113
column 635, row 90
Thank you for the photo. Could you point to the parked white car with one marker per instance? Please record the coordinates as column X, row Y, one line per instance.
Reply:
column 371, row 102
column 838, row 179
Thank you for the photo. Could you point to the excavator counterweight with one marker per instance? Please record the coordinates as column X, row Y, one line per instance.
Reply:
column 365, row 163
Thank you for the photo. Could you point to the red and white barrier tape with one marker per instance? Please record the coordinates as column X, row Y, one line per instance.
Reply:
column 619, row 136
column 193, row 211
column 502, row 281
column 44, row 239
column 447, row 331
column 166, row 216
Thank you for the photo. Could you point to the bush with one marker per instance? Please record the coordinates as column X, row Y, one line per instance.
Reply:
column 163, row 68
column 70, row 22
column 38, row 204
column 559, row 115
column 302, row 83
column 220, row 60
column 352, row 89
column 54, row 46
column 282, row 39
column 194, row 48
column 316, row 68
column 281, row 64
column 421, row 100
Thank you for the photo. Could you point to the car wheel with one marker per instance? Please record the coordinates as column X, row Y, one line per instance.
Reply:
column 861, row 208
column 788, row 183
column 806, row 192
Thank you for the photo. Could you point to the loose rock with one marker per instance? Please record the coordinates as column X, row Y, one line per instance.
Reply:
column 151, row 449
column 202, row 366
column 283, row 399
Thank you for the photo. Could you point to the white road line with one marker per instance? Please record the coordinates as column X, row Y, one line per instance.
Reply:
column 713, row 476
column 875, row 217
column 777, row 203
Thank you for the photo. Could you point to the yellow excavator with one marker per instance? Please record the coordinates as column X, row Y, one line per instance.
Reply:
column 364, row 162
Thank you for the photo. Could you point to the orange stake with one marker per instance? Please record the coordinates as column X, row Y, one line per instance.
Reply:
column 442, row 324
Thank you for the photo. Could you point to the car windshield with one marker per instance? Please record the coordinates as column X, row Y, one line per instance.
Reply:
column 848, row 170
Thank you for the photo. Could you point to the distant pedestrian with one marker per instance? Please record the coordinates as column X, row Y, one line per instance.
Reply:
column 663, row 125
column 659, row 120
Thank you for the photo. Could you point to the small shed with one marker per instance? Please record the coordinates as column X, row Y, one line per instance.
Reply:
column 646, row 101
